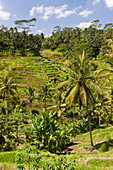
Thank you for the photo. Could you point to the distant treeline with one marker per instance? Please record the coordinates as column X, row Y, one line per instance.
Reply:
column 70, row 41
column 13, row 42
column 73, row 41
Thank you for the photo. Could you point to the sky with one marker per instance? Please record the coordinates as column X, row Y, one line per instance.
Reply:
column 51, row 13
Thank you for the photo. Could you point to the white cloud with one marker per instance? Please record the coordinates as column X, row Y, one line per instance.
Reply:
column 84, row 24
column 67, row 13
column 47, row 35
column 59, row 11
column 86, row 12
column 109, row 3
column 44, row 17
column 40, row 31
column 32, row 11
column 4, row 15
column 39, row 9
column 1, row 7
column 49, row 10
column 96, row 2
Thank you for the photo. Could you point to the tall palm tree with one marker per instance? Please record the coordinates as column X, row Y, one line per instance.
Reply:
column 80, row 85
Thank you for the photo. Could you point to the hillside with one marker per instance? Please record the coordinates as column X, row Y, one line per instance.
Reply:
column 33, row 72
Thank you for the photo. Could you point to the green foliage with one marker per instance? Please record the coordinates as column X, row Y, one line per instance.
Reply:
column 14, row 42
column 80, row 126
column 60, row 163
column 48, row 131
column 83, row 75
column 105, row 146
column 27, row 157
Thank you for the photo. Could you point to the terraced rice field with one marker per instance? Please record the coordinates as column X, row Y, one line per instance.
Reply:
column 32, row 72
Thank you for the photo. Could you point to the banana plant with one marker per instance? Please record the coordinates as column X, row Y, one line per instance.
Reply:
column 44, row 127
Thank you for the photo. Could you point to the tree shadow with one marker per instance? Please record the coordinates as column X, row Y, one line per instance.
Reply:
column 68, row 150
column 72, row 143
column 104, row 146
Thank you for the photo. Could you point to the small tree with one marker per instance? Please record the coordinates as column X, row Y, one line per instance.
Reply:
column 43, row 94
column 25, row 25
column 30, row 94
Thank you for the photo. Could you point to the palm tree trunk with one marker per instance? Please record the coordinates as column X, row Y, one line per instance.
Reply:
column 17, row 134
column 99, row 119
column 73, row 113
column 6, row 105
column 89, row 120
column 59, row 108
column 107, row 121
column 111, row 106
column 45, row 104
column 30, row 108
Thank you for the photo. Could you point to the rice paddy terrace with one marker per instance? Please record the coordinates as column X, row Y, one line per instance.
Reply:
column 32, row 72
column 35, row 71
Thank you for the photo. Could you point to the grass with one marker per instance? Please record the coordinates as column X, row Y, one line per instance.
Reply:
column 7, row 166
column 102, row 163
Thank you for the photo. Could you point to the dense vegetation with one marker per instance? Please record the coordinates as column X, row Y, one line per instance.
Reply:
column 54, row 89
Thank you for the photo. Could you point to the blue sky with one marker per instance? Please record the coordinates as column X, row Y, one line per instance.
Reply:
column 51, row 13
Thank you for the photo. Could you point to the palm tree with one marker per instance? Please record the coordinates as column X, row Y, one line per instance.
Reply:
column 44, row 93
column 80, row 85
column 7, row 88
column 59, row 105
column 30, row 94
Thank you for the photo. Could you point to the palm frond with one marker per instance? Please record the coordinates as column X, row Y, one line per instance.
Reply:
column 90, row 95
column 9, row 80
column 60, row 112
column 95, row 88
column 67, row 93
column 72, row 95
column 70, row 72
column 82, row 58
column 83, row 96
column 103, row 71
column 64, row 84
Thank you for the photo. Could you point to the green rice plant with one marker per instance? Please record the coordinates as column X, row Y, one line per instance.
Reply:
column 101, row 163
column 8, row 157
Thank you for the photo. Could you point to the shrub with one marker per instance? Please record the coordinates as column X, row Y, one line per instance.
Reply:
column 61, row 163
